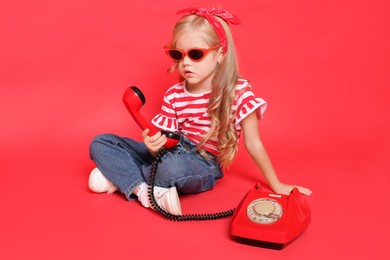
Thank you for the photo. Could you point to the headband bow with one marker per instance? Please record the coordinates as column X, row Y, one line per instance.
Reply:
column 210, row 15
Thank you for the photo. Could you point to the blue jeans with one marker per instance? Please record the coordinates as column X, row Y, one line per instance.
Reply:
column 127, row 163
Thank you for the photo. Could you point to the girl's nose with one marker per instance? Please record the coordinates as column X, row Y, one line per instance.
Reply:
column 186, row 60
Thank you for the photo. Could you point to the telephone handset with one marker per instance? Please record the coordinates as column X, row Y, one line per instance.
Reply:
column 264, row 219
column 134, row 99
column 270, row 220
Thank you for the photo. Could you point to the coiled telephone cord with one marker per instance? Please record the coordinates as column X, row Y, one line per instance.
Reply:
column 169, row 216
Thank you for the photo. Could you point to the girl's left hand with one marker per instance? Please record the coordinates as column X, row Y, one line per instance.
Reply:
column 285, row 189
column 155, row 142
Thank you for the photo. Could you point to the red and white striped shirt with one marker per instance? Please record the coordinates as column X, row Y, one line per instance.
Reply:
column 187, row 113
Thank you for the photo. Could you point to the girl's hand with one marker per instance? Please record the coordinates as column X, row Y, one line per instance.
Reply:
column 286, row 189
column 155, row 142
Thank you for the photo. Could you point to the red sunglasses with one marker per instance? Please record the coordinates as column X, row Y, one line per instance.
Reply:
column 196, row 54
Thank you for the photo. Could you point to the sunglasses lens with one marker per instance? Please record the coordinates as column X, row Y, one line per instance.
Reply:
column 196, row 54
column 175, row 54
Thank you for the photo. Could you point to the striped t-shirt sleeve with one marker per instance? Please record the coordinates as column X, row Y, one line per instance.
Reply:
column 246, row 103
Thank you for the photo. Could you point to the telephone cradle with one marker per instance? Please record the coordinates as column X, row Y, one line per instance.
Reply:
column 270, row 220
column 261, row 218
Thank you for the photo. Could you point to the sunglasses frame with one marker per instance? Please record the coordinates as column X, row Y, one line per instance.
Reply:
column 184, row 53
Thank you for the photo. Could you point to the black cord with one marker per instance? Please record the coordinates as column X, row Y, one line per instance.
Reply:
column 169, row 216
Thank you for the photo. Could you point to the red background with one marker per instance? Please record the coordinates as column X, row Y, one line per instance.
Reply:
column 323, row 67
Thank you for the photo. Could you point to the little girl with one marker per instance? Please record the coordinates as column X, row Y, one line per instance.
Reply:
column 209, row 108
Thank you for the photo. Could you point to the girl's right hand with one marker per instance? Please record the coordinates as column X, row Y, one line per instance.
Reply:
column 286, row 189
column 155, row 142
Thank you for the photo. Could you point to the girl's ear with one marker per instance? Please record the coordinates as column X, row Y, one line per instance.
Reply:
column 220, row 55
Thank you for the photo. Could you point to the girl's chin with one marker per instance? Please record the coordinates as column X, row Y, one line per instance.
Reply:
column 191, row 81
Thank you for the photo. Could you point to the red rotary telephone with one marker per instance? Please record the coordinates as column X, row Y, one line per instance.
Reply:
column 270, row 220
column 262, row 219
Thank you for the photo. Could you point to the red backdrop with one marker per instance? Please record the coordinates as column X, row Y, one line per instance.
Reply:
column 323, row 67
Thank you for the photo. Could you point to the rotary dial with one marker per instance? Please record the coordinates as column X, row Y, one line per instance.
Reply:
column 264, row 211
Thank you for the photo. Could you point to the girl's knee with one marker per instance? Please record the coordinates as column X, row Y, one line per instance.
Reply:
column 104, row 139
column 100, row 141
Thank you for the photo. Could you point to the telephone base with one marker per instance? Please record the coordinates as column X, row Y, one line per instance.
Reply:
column 270, row 220
column 258, row 243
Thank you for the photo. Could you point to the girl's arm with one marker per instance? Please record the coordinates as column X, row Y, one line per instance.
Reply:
column 257, row 151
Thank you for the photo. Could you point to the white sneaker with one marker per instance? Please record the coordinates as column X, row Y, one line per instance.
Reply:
column 99, row 184
column 166, row 198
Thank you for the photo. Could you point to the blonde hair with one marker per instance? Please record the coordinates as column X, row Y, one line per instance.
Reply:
column 224, row 83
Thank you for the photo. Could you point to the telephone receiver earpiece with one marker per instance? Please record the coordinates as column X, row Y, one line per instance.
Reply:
column 134, row 99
